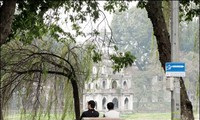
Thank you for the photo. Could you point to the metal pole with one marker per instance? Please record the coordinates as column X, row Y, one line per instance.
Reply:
column 175, row 100
column 172, row 105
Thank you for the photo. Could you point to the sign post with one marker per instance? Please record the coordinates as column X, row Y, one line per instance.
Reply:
column 172, row 68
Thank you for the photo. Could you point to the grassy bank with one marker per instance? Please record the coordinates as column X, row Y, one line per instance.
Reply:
column 151, row 116
column 134, row 116
column 147, row 116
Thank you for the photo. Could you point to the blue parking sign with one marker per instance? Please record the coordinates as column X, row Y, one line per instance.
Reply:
column 175, row 69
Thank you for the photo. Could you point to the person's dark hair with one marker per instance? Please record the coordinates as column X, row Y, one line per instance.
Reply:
column 110, row 106
column 91, row 103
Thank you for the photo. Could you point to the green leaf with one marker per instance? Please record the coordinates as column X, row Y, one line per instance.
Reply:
column 115, row 47
column 96, row 56
column 120, row 61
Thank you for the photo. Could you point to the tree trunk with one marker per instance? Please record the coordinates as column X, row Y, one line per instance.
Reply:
column 76, row 99
column 186, row 105
column 1, row 96
column 6, row 16
column 154, row 10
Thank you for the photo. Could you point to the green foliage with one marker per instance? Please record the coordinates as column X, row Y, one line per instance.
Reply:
column 29, row 22
column 87, row 62
column 113, row 5
column 116, row 48
column 122, row 60
column 24, row 57
column 96, row 56
column 189, row 9
column 142, row 3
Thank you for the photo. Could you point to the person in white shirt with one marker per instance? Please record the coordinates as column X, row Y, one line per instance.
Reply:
column 111, row 112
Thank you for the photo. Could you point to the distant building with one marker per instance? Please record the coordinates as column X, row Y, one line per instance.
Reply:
column 124, row 90
column 114, row 88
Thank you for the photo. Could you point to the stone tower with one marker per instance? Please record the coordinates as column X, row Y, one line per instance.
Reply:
column 105, row 86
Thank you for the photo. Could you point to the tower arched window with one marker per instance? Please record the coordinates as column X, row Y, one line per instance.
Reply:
column 94, row 70
column 125, row 86
column 104, row 84
column 97, row 87
column 115, row 102
column 89, row 86
column 104, row 103
column 126, row 103
column 95, row 104
column 114, row 84
column 103, row 70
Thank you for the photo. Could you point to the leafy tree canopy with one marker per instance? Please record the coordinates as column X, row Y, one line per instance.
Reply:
column 30, row 17
column 188, row 8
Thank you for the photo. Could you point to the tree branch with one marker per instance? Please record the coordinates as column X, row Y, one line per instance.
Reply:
column 40, row 71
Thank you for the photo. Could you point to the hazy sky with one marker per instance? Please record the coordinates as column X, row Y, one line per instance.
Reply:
column 89, row 25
